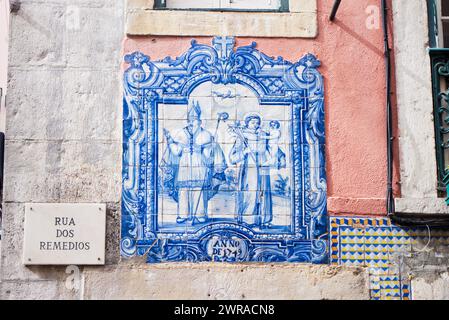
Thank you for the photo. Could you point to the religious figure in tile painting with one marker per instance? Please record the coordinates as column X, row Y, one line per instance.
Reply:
column 194, row 165
column 223, row 157
column 255, row 151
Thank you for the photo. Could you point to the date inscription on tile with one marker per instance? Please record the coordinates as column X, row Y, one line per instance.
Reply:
column 63, row 234
column 223, row 157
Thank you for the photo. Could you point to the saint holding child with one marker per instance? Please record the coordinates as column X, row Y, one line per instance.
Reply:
column 256, row 152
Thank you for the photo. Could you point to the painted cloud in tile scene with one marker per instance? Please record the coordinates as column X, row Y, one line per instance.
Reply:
column 223, row 157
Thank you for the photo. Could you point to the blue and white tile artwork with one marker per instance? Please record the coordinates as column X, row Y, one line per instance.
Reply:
column 223, row 157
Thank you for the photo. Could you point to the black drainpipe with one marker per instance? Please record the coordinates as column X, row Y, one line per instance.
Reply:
column 390, row 138
column 334, row 10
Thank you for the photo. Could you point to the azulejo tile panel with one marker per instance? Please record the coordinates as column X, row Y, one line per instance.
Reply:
column 374, row 242
column 388, row 285
column 223, row 157
column 371, row 242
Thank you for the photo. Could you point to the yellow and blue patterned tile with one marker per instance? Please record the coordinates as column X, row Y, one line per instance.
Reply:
column 371, row 242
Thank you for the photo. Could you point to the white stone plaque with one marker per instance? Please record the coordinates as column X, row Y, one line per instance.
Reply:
column 63, row 234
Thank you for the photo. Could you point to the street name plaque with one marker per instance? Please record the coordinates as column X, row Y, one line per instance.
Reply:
column 64, row 234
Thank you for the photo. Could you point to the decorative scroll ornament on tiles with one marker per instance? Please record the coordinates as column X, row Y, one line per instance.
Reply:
column 223, row 157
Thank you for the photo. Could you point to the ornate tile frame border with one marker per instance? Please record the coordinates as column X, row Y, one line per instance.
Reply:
column 300, row 22
column 146, row 85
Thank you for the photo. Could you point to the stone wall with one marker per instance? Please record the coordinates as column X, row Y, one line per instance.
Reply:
column 4, row 29
column 64, row 145
column 63, row 128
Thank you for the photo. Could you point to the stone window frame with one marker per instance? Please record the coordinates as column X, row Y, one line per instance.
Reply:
column 162, row 5
column 417, row 150
column 300, row 22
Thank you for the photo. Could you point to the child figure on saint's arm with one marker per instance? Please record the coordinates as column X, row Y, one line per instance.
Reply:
column 277, row 156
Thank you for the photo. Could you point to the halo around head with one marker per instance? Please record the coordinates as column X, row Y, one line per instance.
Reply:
column 252, row 115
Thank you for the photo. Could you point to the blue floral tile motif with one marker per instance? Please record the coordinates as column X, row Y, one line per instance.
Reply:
column 223, row 157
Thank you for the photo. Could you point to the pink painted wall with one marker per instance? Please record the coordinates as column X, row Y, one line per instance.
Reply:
column 354, row 71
